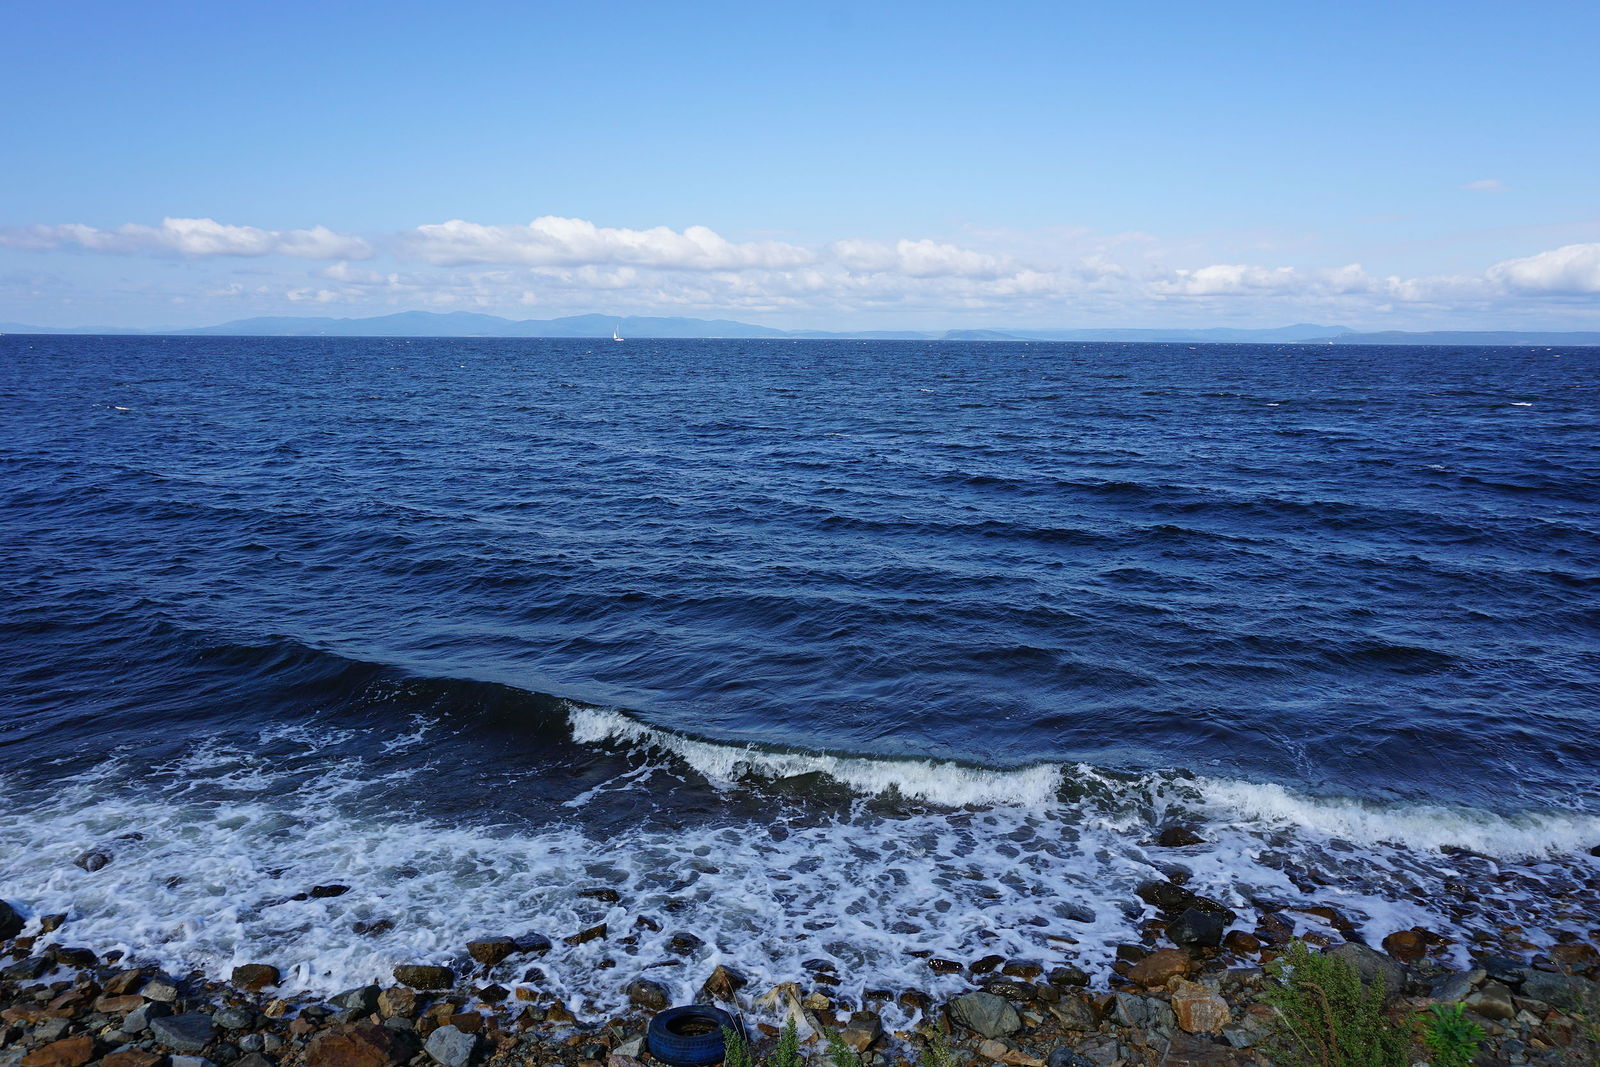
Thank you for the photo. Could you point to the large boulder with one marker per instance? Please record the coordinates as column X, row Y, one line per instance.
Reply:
column 491, row 950
column 1557, row 990
column 651, row 996
column 985, row 1013
column 254, row 977
column 1196, row 928
column 1372, row 966
column 361, row 1046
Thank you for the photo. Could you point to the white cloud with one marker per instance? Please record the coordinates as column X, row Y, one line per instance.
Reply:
column 918, row 259
column 1487, row 185
column 190, row 237
column 1569, row 269
column 1222, row 279
column 555, row 241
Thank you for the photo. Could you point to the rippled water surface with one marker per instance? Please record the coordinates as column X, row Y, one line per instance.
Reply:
column 740, row 625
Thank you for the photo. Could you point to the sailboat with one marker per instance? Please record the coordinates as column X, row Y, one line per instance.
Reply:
column 616, row 332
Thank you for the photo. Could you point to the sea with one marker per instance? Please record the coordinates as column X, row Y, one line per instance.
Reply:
column 789, row 655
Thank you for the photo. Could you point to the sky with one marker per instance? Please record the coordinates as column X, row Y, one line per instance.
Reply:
column 888, row 165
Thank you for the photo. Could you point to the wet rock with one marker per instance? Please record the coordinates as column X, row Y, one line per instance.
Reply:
column 139, row 1019
column 1557, row 990
column 1503, row 969
column 986, row 964
column 491, row 950
column 604, row 895
column 1199, row 1010
column 353, row 1003
column 684, row 943
column 424, row 976
column 1027, row 970
column 1579, row 955
column 943, row 966
column 72, row 957
column 1160, row 967
column 1164, row 896
column 371, row 928
column 723, row 984
column 92, row 860
column 985, row 1014
column 1493, row 1001
column 1241, row 943
column 1407, row 946
column 361, row 1046
column 254, row 977
column 915, row 1000
column 25, row 970
column 493, row 994
column 1276, row 929
column 450, row 1047
column 863, row 1031
column 1372, row 965
column 1197, row 929
column 11, row 922
column 1068, row 977
column 533, row 944
column 1178, row 836
column 68, row 1052
column 189, row 1032
column 583, row 937
column 651, row 996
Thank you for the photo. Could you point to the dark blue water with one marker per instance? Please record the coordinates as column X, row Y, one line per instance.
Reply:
column 1368, row 573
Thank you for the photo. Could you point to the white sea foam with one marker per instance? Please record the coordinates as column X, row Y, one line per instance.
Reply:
column 226, row 836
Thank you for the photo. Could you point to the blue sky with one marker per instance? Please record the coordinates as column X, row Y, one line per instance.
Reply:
column 1398, row 165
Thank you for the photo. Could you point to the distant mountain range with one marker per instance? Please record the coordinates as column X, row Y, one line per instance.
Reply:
column 470, row 324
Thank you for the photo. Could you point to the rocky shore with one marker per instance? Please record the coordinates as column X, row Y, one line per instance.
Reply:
column 1191, row 991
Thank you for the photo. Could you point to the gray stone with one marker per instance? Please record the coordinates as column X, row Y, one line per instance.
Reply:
column 254, row 1059
column 1144, row 1013
column 139, row 1019
column 162, row 987
column 631, row 1047
column 191, row 1061
column 271, row 1042
column 234, row 1018
column 189, row 1032
column 1065, row 1057
column 1558, row 990
column 985, row 1013
column 50, row 1029
column 1073, row 1014
column 1493, row 1001
column 93, row 860
column 251, row 1043
column 1372, row 965
column 450, row 1047
column 363, row 1000
column 1450, row 988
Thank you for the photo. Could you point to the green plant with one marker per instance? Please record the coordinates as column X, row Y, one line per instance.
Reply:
column 841, row 1054
column 1323, row 1016
column 736, row 1050
column 937, row 1052
column 787, row 1053
column 1451, row 1037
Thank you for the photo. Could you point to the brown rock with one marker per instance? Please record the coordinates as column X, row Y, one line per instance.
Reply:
column 1000, row 1052
column 118, row 1005
column 559, row 1015
column 863, row 1031
column 723, row 984
column 584, row 936
column 1579, row 955
column 985, row 965
column 943, row 966
column 1178, row 837
column 397, row 1002
column 1407, row 946
column 130, row 1057
column 423, row 976
column 915, row 1000
column 1240, row 943
column 491, row 950
column 1027, row 970
column 649, row 995
column 1160, row 967
column 1275, row 929
column 468, row 1022
column 361, row 1046
column 1199, row 1010
column 49, row 924
column 68, row 1052
column 123, row 982
column 255, row 977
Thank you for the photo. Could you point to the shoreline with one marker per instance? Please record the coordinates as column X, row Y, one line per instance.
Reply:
column 1188, row 992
